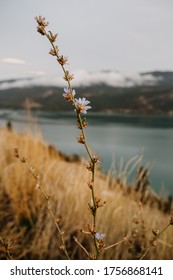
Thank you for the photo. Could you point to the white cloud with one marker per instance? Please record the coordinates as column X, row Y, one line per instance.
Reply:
column 12, row 60
column 112, row 78
column 84, row 78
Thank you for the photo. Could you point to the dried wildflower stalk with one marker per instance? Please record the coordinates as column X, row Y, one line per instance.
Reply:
column 81, row 107
column 39, row 186
column 157, row 234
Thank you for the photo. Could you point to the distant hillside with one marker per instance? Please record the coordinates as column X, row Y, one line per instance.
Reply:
column 149, row 97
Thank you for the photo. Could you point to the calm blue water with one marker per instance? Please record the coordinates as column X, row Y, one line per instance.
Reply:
column 115, row 138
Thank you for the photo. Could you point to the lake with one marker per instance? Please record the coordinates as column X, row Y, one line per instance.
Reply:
column 118, row 139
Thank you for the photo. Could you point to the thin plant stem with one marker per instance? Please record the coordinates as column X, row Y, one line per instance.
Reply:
column 154, row 239
column 115, row 244
column 45, row 195
column 79, row 118
column 83, row 248
column 47, row 199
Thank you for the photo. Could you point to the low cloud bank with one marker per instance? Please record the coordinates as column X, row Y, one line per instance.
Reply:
column 84, row 78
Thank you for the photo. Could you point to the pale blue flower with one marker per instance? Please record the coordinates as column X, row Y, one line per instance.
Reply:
column 68, row 94
column 99, row 236
column 81, row 105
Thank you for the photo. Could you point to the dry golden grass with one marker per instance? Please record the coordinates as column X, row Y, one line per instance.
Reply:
column 26, row 221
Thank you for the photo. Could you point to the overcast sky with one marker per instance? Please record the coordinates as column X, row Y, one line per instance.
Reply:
column 128, row 36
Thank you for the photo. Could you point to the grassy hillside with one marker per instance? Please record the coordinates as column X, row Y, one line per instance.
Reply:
column 25, row 221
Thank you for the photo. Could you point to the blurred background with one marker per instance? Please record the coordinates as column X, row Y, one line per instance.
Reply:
column 120, row 53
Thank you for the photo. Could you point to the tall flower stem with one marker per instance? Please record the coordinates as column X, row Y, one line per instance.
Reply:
column 93, row 159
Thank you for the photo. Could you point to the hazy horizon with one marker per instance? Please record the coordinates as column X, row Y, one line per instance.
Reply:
column 121, row 36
